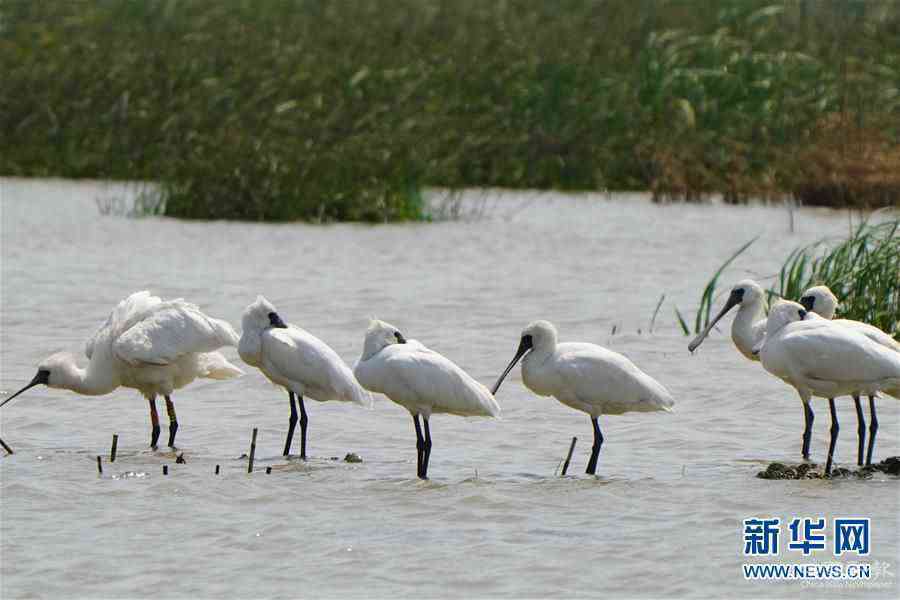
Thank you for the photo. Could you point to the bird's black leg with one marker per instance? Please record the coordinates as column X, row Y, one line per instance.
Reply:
column 426, row 454
column 595, row 450
column 860, row 431
column 303, row 421
column 873, row 429
column 292, row 423
column 808, row 418
column 835, row 428
column 154, row 421
column 420, row 447
column 173, row 421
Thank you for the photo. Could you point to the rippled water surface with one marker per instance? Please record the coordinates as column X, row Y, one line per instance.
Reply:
column 663, row 518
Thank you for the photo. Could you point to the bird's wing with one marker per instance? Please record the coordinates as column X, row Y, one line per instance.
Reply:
column 126, row 313
column 831, row 352
column 436, row 381
column 170, row 330
column 589, row 368
column 297, row 355
column 870, row 331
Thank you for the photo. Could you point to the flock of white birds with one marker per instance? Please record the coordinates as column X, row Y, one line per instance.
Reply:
column 157, row 347
column 818, row 356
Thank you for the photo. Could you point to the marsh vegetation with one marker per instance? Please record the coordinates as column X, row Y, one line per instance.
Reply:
column 313, row 110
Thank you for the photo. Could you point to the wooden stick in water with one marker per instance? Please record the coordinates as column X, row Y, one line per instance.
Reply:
column 252, row 451
column 569, row 456
column 165, row 469
column 99, row 465
column 268, row 470
column 217, row 469
column 5, row 447
column 112, row 451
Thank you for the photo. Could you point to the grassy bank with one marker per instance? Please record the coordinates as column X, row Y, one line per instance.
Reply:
column 309, row 109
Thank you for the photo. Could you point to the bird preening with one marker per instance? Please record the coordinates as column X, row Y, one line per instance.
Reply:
column 147, row 344
column 160, row 346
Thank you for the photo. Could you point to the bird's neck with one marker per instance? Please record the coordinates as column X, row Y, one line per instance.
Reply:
column 96, row 380
column 743, row 330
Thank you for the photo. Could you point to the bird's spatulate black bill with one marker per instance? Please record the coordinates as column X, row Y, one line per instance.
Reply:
column 733, row 300
column 524, row 346
column 42, row 377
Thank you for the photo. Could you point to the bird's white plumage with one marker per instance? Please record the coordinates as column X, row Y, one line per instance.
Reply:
column 419, row 379
column 296, row 359
column 149, row 344
column 821, row 358
column 824, row 303
column 588, row 377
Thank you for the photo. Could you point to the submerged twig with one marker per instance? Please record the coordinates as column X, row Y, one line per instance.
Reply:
column 6, row 447
column 112, row 450
column 252, row 451
column 568, row 457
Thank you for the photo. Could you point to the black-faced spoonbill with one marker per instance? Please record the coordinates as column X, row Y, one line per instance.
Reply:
column 585, row 377
column 299, row 362
column 820, row 358
column 148, row 344
column 748, row 330
column 821, row 300
column 421, row 381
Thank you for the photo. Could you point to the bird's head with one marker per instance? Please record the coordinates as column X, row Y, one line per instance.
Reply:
column 783, row 313
column 261, row 315
column 57, row 371
column 379, row 335
column 744, row 293
column 539, row 335
column 820, row 300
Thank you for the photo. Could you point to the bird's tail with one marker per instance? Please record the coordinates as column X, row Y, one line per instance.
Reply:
column 225, row 332
column 359, row 395
column 213, row 365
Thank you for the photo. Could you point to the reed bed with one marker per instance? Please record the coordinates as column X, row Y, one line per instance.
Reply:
column 862, row 270
column 327, row 110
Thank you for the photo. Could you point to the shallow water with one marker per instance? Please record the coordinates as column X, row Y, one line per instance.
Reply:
column 662, row 519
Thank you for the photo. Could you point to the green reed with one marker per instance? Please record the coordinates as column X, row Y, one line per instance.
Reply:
column 862, row 270
column 329, row 110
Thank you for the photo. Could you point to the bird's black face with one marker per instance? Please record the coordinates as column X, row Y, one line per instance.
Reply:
column 42, row 378
column 808, row 302
column 400, row 338
column 737, row 296
column 275, row 321
column 525, row 344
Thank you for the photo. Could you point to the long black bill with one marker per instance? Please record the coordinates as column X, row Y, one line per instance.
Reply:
column 276, row 322
column 524, row 346
column 42, row 377
column 733, row 300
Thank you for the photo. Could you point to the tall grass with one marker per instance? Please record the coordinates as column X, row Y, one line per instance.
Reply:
column 863, row 271
column 325, row 109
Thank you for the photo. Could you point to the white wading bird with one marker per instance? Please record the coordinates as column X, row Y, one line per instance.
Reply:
column 748, row 330
column 148, row 344
column 421, row 381
column 585, row 377
column 820, row 358
column 821, row 300
column 299, row 362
